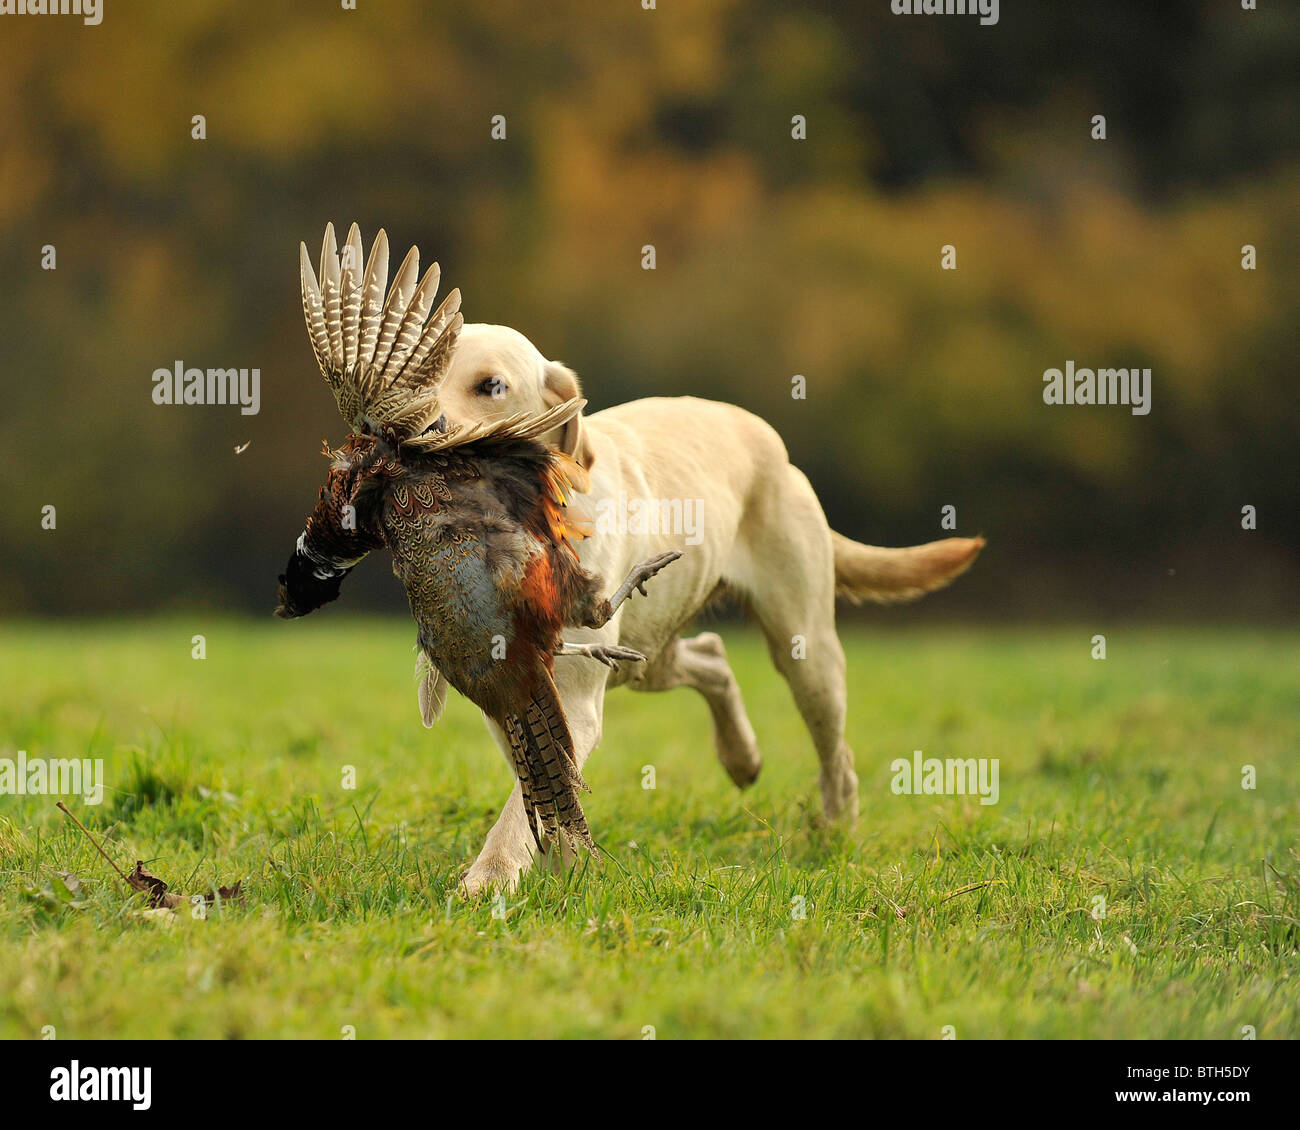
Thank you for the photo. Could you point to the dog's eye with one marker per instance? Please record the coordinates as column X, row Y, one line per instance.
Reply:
column 492, row 386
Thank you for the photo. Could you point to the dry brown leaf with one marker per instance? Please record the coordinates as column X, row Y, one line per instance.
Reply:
column 160, row 897
column 142, row 882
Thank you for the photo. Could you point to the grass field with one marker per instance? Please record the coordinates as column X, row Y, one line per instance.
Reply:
column 1119, row 778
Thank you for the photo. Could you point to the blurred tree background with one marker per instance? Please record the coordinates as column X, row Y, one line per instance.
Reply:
column 775, row 257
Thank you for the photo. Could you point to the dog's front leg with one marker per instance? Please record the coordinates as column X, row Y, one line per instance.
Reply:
column 509, row 850
column 507, row 853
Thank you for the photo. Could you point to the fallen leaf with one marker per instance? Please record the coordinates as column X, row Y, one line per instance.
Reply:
column 164, row 916
column 60, row 890
column 140, row 881
column 68, row 887
column 162, row 898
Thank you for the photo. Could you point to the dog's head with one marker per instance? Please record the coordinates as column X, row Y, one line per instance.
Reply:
column 497, row 372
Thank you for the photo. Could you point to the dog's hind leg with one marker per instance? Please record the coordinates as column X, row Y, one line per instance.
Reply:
column 701, row 663
column 812, row 661
column 789, row 582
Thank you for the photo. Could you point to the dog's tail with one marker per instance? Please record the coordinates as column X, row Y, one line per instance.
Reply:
column 871, row 572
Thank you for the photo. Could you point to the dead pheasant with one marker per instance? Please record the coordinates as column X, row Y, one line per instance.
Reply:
column 476, row 519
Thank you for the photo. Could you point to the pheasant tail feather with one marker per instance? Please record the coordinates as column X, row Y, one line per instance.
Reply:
column 542, row 750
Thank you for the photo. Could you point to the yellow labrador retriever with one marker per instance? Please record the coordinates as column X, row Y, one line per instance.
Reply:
column 715, row 482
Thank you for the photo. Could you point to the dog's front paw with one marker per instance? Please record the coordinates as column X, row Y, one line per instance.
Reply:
column 489, row 875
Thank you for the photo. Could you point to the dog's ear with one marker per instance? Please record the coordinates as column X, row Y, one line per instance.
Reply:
column 560, row 383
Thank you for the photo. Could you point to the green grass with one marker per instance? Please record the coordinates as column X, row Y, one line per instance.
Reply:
column 1119, row 778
